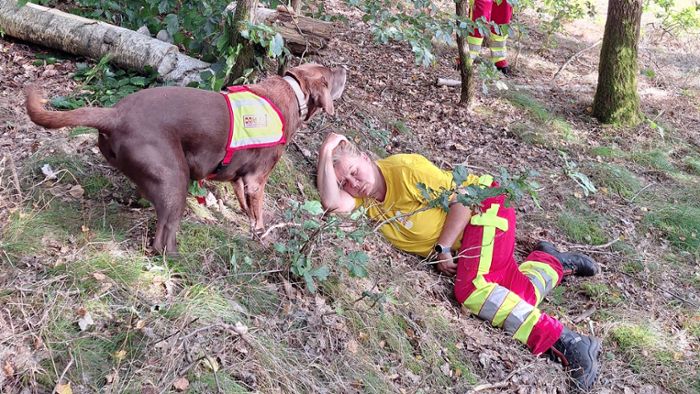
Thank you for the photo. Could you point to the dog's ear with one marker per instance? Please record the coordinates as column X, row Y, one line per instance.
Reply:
column 321, row 97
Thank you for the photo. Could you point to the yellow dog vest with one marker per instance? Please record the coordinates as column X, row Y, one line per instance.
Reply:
column 255, row 122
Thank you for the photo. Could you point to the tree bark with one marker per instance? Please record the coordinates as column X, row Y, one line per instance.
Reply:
column 302, row 35
column 466, row 71
column 86, row 37
column 616, row 99
column 245, row 12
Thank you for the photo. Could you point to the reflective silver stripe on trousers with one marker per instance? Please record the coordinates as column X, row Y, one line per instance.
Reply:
column 498, row 53
column 537, row 283
column 497, row 44
column 517, row 317
column 550, row 283
column 493, row 302
column 474, row 47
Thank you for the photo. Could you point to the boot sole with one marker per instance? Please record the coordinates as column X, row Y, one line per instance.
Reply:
column 593, row 353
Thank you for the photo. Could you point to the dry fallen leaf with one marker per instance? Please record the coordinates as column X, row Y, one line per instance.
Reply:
column 181, row 384
column 8, row 369
column 85, row 320
column 352, row 346
column 99, row 276
column 63, row 389
column 76, row 191
column 119, row 355
column 210, row 363
column 240, row 328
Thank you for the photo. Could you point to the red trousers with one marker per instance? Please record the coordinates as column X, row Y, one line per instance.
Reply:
column 491, row 284
column 500, row 14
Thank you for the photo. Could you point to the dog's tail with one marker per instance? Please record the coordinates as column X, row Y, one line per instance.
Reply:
column 99, row 118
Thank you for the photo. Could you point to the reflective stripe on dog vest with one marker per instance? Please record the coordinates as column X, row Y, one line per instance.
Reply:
column 255, row 122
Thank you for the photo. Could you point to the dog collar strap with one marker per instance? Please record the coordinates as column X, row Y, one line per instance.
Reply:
column 303, row 110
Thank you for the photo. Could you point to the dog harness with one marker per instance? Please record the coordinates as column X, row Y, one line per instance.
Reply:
column 255, row 122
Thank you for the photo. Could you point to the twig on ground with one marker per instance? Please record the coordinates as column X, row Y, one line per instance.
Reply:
column 60, row 378
column 279, row 225
column 574, row 57
column 306, row 156
column 654, row 285
column 15, row 177
column 585, row 315
column 631, row 200
column 501, row 384
column 594, row 247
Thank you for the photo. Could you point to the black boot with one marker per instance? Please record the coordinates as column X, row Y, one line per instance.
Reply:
column 505, row 70
column 574, row 263
column 579, row 354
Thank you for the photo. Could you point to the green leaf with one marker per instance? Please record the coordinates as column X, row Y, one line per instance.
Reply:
column 197, row 190
column 172, row 25
column 459, row 175
column 277, row 45
column 309, row 280
column 321, row 272
column 138, row 81
column 280, row 247
column 313, row 207
column 311, row 225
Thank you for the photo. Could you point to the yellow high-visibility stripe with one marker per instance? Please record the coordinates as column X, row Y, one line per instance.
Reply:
column 525, row 329
column 510, row 302
column 477, row 298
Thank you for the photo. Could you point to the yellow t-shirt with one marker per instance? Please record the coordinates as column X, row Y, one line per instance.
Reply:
column 416, row 233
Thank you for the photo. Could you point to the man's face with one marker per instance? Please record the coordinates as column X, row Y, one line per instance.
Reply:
column 356, row 175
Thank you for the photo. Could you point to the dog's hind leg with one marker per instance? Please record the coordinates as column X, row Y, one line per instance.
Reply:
column 255, row 191
column 239, row 190
column 164, row 183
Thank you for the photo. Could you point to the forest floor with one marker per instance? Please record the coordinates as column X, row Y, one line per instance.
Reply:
column 84, row 305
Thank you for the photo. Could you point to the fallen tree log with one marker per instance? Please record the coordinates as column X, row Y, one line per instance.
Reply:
column 302, row 35
column 86, row 37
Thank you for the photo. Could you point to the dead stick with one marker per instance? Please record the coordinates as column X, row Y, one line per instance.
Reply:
column 448, row 82
column 585, row 315
column 574, row 57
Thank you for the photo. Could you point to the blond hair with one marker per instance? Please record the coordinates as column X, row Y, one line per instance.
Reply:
column 345, row 148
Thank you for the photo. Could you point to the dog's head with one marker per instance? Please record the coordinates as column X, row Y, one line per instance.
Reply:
column 320, row 85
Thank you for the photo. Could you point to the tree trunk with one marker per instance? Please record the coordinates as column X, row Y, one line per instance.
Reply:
column 302, row 35
column 245, row 12
column 86, row 37
column 296, row 5
column 616, row 99
column 466, row 71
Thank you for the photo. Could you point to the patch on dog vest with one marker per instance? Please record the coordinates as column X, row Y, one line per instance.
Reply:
column 255, row 122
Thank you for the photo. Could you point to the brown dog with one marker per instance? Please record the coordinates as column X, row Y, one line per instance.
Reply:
column 162, row 138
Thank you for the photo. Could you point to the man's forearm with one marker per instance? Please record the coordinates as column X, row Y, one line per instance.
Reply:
column 457, row 218
column 326, row 181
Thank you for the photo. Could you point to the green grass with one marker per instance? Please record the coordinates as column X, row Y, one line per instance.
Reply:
column 530, row 134
column 616, row 179
column 601, row 293
column 644, row 346
column 656, row 355
column 94, row 184
column 679, row 223
column 80, row 130
column 541, row 115
column 655, row 158
column 582, row 226
column 692, row 165
column 607, row 152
